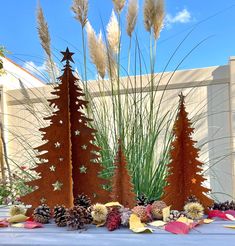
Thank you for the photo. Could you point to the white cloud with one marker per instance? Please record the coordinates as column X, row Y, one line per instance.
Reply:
column 35, row 69
column 183, row 16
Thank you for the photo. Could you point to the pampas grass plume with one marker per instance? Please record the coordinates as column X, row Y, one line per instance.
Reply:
column 80, row 9
column 149, row 13
column 119, row 5
column 158, row 18
column 131, row 17
column 113, row 33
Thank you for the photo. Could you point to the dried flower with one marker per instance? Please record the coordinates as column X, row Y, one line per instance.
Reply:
column 158, row 18
column 113, row 33
column 80, row 9
column 17, row 209
column 118, row 5
column 99, row 213
column 125, row 215
column 43, row 31
column 97, row 50
column 194, row 210
column 131, row 17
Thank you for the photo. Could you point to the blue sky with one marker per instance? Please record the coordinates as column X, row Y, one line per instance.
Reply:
column 18, row 31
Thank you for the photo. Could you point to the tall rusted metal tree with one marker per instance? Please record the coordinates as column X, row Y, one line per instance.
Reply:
column 68, row 158
column 185, row 178
column 122, row 187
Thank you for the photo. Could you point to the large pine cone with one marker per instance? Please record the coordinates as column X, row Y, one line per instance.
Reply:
column 59, row 216
column 77, row 217
column 42, row 214
column 82, row 200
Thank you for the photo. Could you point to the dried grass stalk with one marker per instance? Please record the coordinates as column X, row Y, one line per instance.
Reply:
column 158, row 18
column 96, row 50
column 80, row 9
column 131, row 17
column 113, row 33
column 119, row 5
column 43, row 31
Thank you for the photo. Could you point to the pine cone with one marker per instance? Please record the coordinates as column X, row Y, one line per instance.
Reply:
column 141, row 212
column 42, row 214
column 59, row 216
column 192, row 198
column 156, row 209
column 113, row 220
column 77, row 217
column 174, row 215
column 142, row 200
column 82, row 200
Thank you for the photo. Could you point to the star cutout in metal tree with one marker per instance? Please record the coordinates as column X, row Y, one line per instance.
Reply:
column 67, row 55
column 57, row 185
column 77, row 133
column 52, row 168
column 83, row 169
column 57, row 145
column 84, row 147
column 43, row 200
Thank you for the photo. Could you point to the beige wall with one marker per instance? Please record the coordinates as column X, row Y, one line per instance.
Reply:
column 209, row 100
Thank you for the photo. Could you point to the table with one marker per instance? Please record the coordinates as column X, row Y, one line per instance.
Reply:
column 211, row 234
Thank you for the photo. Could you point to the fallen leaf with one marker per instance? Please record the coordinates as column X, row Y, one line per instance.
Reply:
column 207, row 221
column 4, row 224
column 230, row 217
column 177, row 227
column 137, row 226
column 17, row 218
column 230, row 226
column 218, row 214
column 157, row 223
column 113, row 204
column 232, row 212
column 185, row 220
column 166, row 212
column 18, row 225
column 32, row 225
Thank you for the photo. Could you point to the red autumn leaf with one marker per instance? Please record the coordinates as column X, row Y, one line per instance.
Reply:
column 177, row 227
column 231, row 212
column 218, row 214
column 30, row 219
column 32, row 225
column 4, row 224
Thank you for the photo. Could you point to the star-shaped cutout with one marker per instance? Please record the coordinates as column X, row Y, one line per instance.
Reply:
column 67, row 55
column 61, row 122
column 52, row 168
column 61, row 159
column 77, row 133
column 43, row 200
column 84, row 147
column 57, row 185
column 83, row 169
column 194, row 181
column 57, row 145
column 94, row 195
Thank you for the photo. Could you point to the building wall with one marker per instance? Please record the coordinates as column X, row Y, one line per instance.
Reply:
column 209, row 102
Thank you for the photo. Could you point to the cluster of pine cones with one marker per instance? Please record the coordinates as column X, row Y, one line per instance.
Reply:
column 75, row 218
column 223, row 206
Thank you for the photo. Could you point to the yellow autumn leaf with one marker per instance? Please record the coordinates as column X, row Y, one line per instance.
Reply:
column 100, row 224
column 113, row 204
column 18, row 225
column 207, row 221
column 137, row 226
column 166, row 212
column 17, row 218
column 157, row 223
column 185, row 220
column 230, row 226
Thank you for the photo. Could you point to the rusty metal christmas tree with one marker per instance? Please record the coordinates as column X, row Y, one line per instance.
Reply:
column 68, row 158
column 122, row 187
column 185, row 178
